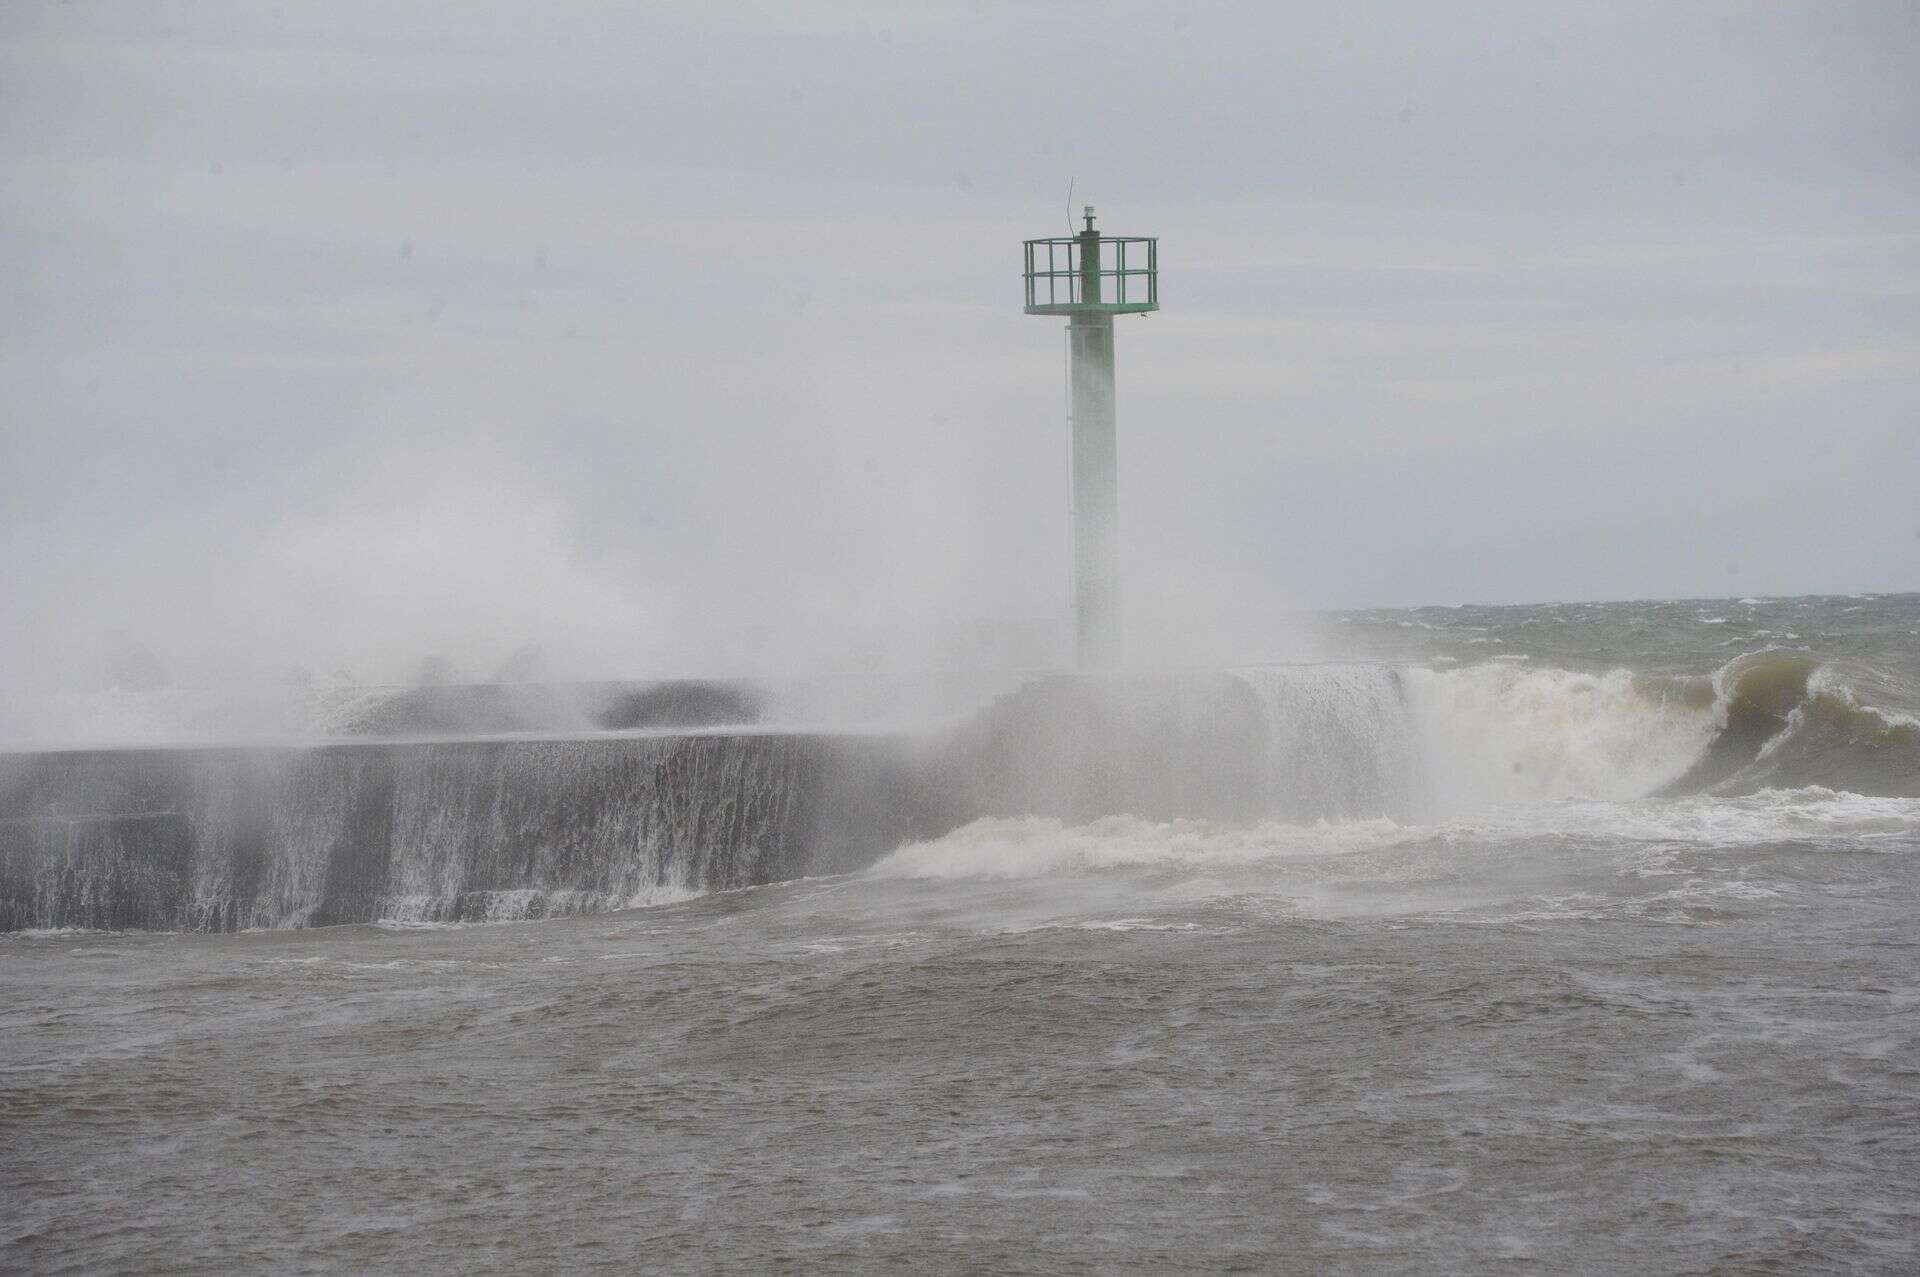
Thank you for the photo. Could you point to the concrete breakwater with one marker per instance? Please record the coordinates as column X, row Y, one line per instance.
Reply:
column 220, row 839
column 203, row 838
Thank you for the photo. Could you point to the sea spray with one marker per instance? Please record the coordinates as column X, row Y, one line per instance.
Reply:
column 1499, row 733
column 1341, row 743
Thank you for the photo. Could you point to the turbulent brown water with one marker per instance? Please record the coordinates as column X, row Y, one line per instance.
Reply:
column 1601, row 958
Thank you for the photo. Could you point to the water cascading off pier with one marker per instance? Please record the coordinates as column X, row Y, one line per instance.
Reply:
column 475, row 829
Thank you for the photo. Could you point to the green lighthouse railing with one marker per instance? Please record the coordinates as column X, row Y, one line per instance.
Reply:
column 1093, row 275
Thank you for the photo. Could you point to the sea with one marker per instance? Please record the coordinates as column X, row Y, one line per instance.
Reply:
column 1584, row 938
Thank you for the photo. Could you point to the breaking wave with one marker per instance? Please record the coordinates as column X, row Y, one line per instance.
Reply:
column 1702, row 859
column 1785, row 719
column 1037, row 847
column 1352, row 742
column 1554, row 792
column 1503, row 733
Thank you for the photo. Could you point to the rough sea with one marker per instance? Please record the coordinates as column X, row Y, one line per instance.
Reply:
column 1607, row 960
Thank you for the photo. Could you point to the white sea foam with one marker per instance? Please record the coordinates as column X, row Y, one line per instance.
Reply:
column 1037, row 847
column 1768, row 815
column 1494, row 733
column 1031, row 847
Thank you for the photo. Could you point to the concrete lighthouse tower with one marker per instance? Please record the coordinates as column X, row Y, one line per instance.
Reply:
column 1090, row 278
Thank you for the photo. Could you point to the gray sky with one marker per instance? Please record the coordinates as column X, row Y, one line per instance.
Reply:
column 687, row 337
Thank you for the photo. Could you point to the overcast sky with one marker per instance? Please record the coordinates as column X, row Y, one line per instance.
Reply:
column 688, row 337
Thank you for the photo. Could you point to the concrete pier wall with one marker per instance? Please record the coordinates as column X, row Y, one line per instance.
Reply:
column 215, row 839
column 219, row 839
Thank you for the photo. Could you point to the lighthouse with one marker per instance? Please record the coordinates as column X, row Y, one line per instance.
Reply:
column 1090, row 278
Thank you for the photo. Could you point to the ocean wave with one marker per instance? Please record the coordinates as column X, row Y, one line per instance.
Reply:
column 1495, row 733
column 1039, row 847
column 1783, row 718
column 1428, row 742
column 1778, row 718
column 1702, row 860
